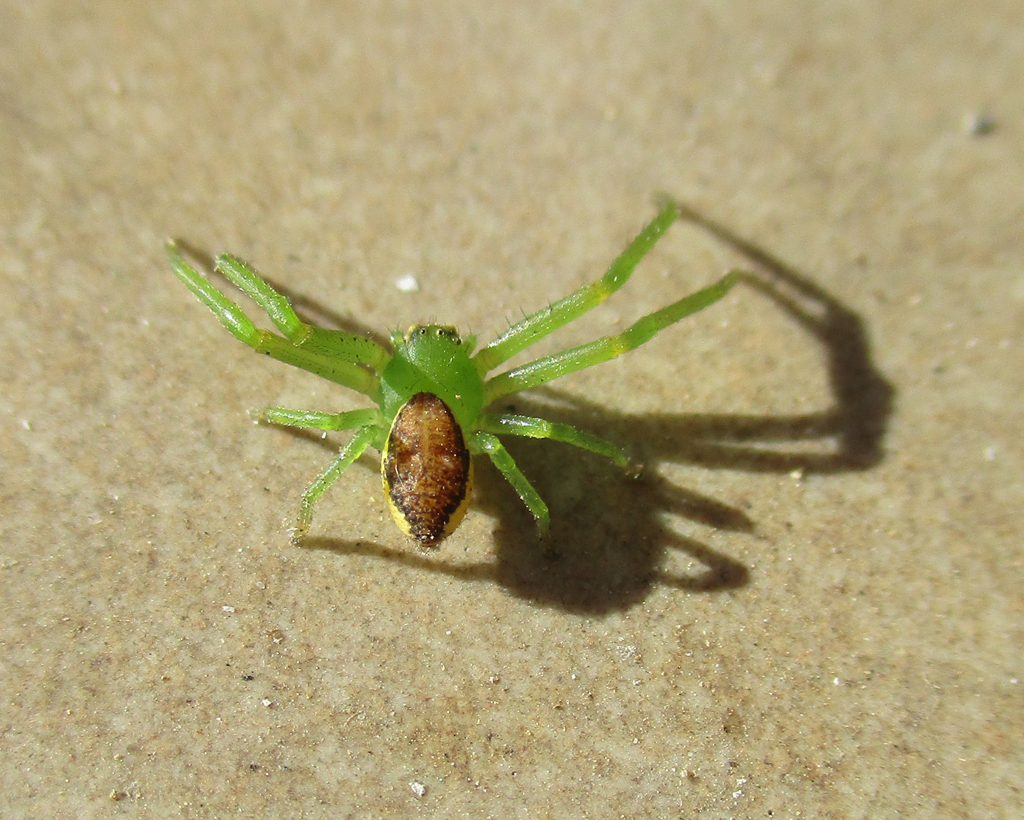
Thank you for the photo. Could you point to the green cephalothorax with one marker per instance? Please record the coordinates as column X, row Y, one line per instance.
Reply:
column 432, row 389
column 433, row 359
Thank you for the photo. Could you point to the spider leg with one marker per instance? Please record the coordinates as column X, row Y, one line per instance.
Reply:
column 513, row 425
column 540, row 324
column 368, row 436
column 320, row 421
column 329, row 363
column 577, row 358
column 483, row 442
column 334, row 343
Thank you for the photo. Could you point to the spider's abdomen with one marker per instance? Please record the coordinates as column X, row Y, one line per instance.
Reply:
column 427, row 470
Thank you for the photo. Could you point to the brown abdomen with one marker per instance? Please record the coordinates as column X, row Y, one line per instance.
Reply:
column 427, row 469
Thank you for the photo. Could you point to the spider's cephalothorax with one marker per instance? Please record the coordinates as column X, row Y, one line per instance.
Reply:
column 432, row 389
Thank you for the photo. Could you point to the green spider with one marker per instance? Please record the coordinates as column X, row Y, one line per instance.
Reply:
column 432, row 389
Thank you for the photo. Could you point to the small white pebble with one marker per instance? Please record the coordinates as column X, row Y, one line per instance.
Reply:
column 418, row 789
column 407, row 284
column 228, row 608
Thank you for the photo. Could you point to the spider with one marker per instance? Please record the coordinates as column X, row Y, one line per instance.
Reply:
column 431, row 390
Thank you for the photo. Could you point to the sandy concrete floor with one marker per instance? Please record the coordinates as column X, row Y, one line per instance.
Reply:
column 809, row 604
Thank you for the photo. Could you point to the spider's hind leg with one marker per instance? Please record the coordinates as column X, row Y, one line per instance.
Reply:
column 510, row 424
column 483, row 442
column 369, row 436
column 316, row 420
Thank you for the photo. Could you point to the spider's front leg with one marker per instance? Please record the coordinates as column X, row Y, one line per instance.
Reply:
column 333, row 343
column 538, row 325
column 330, row 354
column 643, row 330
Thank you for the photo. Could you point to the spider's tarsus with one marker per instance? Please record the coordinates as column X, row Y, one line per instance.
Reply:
column 662, row 200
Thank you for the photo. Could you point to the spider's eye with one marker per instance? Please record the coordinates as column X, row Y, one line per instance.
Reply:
column 433, row 331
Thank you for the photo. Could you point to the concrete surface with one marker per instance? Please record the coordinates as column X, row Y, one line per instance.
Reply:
column 809, row 604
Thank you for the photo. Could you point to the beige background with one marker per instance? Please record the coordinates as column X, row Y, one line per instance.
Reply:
column 808, row 606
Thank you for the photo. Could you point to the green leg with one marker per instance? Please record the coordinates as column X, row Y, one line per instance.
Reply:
column 364, row 437
column 321, row 421
column 333, row 343
column 329, row 365
column 481, row 442
column 508, row 424
column 540, row 324
column 569, row 361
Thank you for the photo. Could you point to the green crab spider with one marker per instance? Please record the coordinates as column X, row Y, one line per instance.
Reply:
column 431, row 390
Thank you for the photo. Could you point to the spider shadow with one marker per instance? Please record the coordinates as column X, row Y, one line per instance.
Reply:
column 610, row 539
